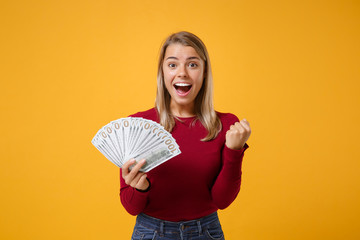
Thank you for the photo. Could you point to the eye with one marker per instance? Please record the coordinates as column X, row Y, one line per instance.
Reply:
column 172, row 65
column 193, row 65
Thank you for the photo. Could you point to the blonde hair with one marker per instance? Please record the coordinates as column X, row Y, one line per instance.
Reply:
column 204, row 108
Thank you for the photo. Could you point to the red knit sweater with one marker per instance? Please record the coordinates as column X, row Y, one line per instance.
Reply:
column 205, row 177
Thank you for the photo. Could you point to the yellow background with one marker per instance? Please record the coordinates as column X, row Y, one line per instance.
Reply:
column 290, row 67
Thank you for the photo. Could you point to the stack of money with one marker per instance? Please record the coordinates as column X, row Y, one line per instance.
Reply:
column 138, row 138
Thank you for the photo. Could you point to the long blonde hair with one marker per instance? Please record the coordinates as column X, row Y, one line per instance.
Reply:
column 204, row 108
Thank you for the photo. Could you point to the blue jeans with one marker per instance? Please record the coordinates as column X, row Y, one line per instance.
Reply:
column 149, row 228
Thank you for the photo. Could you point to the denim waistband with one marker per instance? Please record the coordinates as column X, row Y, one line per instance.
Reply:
column 161, row 225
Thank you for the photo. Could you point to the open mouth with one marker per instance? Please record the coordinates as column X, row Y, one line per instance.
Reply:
column 182, row 88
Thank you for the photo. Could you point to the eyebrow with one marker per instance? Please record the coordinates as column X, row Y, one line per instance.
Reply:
column 189, row 58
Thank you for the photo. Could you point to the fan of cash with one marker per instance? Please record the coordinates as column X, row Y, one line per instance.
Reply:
column 138, row 138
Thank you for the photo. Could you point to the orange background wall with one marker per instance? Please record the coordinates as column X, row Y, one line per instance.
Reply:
column 290, row 67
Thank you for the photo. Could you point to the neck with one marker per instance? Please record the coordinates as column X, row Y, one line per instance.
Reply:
column 182, row 110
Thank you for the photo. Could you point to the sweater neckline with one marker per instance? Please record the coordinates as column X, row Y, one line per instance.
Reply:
column 185, row 118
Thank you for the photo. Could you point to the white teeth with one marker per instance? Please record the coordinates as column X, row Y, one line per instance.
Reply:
column 182, row 84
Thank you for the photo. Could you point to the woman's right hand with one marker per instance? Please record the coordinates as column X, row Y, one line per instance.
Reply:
column 133, row 177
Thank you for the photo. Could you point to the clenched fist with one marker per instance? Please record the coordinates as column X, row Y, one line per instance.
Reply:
column 237, row 135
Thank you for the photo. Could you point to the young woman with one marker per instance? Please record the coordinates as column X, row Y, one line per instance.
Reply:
column 180, row 198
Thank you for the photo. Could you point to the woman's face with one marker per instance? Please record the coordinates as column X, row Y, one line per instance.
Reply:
column 183, row 74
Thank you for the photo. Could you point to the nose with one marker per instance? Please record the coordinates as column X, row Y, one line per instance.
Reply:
column 182, row 71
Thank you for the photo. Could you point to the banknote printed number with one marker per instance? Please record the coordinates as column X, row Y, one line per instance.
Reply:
column 170, row 145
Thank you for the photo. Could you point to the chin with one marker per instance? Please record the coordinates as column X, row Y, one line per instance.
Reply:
column 182, row 102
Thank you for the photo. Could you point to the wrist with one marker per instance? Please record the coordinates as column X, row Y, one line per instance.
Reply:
column 234, row 147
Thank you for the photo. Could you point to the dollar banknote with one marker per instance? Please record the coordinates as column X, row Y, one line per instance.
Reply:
column 136, row 138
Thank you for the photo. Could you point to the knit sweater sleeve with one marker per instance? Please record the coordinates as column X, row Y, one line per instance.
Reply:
column 227, row 183
column 134, row 201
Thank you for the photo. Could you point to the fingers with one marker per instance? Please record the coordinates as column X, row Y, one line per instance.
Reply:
column 133, row 177
column 136, row 181
column 125, row 167
column 238, row 134
column 142, row 183
column 137, row 167
column 245, row 124
column 242, row 127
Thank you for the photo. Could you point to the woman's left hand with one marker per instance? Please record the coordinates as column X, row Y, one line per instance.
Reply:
column 238, row 134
